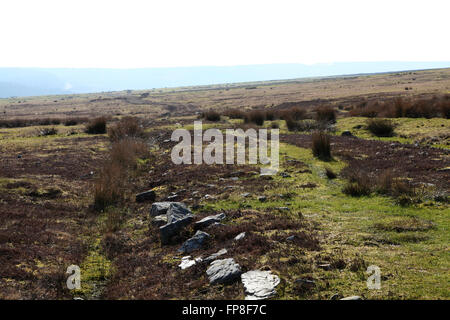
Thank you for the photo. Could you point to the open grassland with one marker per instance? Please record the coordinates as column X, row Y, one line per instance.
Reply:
column 68, row 197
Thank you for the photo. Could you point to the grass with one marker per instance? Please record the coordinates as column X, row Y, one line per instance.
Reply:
column 408, row 130
column 363, row 226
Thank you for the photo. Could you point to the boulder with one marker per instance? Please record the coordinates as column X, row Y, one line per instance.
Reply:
column 259, row 284
column 195, row 242
column 209, row 220
column 223, row 271
column 159, row 208
column 178, row 216
column 148, row 195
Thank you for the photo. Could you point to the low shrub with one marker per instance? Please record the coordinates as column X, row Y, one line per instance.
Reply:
column 109, row 187
column 127, row 127
column 359, row 184
column 326, row 114
column 211, row 116
column 381, row 127
column 96, row 126
column 256, row 116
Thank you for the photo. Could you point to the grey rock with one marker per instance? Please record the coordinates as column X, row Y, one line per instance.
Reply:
column 159, row 221
column 148, row 195
column 259, row 284
column 209, row 220
column 246, row 194
column 223, row 271
column 239, row 236
column 262, row 198
column 187, row 262
column 352, row 298
column 216, row 225
column 178, row 216
column 159, row 208
column 195, row 242
column 172, row 197
column 335, row 296
column 214, row 256
column 346, row 134
column 285, row 175
column 290, row 238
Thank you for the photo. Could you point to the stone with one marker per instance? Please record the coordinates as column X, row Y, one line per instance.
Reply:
column 148, row 195
column 285, row 175
column 239, row 236
column 245, row 194
column 262, row 198
column 259, row 284
column 352, row 298
column 178, row 216
column 187, row 262
column 209, row 220
column 346, row 134
column 214, row 256
column 290, row 238
column 194, row 243
column 159, row 221
column 159, row 208
column 172, row 197
column 223, row 271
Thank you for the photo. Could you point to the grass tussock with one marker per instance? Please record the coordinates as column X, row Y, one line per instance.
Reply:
column 256, row 116
column 96, row 126
column 330, row 173
column 321, row 147
column 211, row 115
column 359, row 184
column 437, row 106
column 326, row 114
column 110, row 186
column 127, row 127
column 381, row 127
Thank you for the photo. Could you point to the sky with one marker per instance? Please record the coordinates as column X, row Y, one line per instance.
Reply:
column 169, row 33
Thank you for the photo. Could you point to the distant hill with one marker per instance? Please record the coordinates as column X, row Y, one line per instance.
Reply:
column 42, row 81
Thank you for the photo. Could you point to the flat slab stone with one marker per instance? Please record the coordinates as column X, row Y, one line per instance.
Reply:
column 223, row 271
column 178, row 216
column 240, row 236
column 187, row 262
column 259, row 284
column 209, row 220
column 195, row 242
column 352, row 298
column 214, row 256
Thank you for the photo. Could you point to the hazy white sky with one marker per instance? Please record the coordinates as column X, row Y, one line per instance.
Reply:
column 165, row 33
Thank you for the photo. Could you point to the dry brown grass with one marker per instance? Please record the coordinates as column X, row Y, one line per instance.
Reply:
column 96, row 126
column 127, row 127
column 321, row 147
